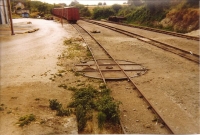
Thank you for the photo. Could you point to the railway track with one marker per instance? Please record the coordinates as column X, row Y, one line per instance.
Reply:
column 100, row 54
column 185, row 54
column 159, row 31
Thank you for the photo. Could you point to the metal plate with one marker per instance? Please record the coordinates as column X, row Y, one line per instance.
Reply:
column 110, row 69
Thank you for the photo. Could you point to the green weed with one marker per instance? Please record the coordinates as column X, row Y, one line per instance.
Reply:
column 54, row 104
column 25, row 120
column 63, row 86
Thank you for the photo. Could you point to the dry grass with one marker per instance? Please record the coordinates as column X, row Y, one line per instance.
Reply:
column 184, row 20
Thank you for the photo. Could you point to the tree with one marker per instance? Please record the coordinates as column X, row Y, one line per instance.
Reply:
column 116, row 7
column 84, row 11
column 193, row 3
column 135, row 2
column 99, row 13
column 74, row 3
column 100, row 3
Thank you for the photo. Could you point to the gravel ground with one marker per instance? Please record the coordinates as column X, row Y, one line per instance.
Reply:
column 170, row 84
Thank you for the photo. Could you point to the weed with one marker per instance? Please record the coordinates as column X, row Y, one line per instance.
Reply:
column 81, row 84
column 81, row 117
column 101, row 119
column 9, row 112
column 1, row 108
column 109, row 107
column 52, row 79
column 84, row 97
column 88, row 53
column 67, row 42
column 25, row 120
column 63, row 86
column 64, row 112
column 88, row 99
column 61, row 71
column 54, row 104
column 72, row 88
column 59, row 75
column 105, row 92
column 42, row 122
column 37, row 99
column 77, row 74
column 102, row 86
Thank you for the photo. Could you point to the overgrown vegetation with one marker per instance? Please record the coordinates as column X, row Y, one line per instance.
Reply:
column 73, row 48
column 33, row 6
column 88, row 99
column 55, row 105
column 102, row 13
column 25, row 120
column 180, row 15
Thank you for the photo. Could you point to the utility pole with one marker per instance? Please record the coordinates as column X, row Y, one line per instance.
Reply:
column 10, row 16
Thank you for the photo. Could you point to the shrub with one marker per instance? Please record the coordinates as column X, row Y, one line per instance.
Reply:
column 101, row 119
column 81, row 117
column 72, row 88
column 25, row 120
column 109, row 107
column 84, row 97
column 64, row 112
column 54, row 104
column 88, row 99
column 63, row 86
column 102, row 13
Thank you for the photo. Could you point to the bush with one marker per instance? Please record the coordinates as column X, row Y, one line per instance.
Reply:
column 110, row 108
column 34, row 14
column 81, row 117
column 63, row 86
column 25, row 120
column 64, row 112
column 54, row 104
column 101, row 119
column 84, row 97
column 102, row 13
column 88, row 99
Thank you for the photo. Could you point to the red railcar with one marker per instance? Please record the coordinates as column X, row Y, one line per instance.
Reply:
column 69, row 13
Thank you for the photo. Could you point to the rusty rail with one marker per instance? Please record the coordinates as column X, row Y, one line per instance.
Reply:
column 157, row 30
column 185, row 54
column 129, row 80
column 75, row 26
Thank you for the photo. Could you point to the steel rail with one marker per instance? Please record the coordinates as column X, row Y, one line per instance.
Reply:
column 129, row 80
column 157, row 30
column 103, row 78
column 185, row 54
column 74, row 25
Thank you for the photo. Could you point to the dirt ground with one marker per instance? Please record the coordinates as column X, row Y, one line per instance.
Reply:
column 30, row 75
column 170, row 84
column 28, row 61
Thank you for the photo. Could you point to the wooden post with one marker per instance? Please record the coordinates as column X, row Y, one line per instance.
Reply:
column 10, row 16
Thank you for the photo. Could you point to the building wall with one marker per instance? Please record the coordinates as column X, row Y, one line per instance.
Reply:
column 4, row 18
column 19, row 5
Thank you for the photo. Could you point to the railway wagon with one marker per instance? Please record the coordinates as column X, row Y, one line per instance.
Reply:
column 69, row 13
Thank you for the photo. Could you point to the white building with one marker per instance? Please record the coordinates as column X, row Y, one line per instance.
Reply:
column 4, row 16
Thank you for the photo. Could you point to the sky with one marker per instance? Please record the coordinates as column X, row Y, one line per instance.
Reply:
column 86, row 2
